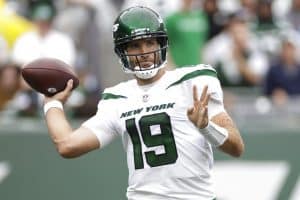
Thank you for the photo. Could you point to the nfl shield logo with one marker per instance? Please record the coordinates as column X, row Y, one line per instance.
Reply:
column 145, row 97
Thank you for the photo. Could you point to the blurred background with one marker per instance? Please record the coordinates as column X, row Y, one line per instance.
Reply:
column 253, row 44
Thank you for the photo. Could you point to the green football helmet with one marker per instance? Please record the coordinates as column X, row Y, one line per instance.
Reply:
column 138, row 23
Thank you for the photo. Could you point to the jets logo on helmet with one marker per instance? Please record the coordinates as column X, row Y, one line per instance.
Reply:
column 115, row 27
column 136, row 23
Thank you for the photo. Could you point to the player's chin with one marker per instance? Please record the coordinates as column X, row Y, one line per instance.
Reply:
column 146, row 65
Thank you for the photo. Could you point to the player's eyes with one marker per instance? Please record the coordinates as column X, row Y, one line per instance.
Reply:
column 151, row 43
column 148, row 43
column 132, row 46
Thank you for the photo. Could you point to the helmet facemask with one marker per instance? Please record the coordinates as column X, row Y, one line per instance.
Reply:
column 137, row 23
column 131, row 62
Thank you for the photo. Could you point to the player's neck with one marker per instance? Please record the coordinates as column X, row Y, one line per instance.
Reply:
column 159, row 74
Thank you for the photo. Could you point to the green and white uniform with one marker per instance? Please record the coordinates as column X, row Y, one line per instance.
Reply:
column 167, row 156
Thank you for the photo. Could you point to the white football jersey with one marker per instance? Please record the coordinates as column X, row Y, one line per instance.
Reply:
column 167, row 156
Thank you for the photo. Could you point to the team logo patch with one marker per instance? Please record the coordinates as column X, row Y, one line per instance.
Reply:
column 115, row 27
column 145, row 97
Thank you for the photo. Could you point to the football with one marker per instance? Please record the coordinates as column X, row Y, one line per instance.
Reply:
column 48, row 75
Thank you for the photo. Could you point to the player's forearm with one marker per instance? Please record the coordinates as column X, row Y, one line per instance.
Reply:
column 234, row 144
column 58, row 126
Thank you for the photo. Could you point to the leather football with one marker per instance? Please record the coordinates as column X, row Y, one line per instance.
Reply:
column 48, row 75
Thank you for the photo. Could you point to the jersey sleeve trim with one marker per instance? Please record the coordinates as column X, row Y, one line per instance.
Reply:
column 206, row 72
column 106, row 96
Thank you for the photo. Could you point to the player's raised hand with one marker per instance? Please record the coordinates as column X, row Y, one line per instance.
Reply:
column 198, row 114
column 63, row 95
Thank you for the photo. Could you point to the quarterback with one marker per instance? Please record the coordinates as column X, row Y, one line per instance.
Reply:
column 169, row 121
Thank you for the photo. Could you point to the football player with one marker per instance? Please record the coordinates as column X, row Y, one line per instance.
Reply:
column 169, row 121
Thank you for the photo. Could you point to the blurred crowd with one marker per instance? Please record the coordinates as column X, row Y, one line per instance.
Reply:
column 251, row 44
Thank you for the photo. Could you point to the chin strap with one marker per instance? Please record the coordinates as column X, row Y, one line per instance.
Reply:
column 145, row 74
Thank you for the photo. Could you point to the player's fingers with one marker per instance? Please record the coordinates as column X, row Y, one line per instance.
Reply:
column 206, row 100
column 190, row 111
column 201, row 112
column 205, row 112
column 202, row 117
column 204, row 92
column 199, row 118
column 195, row 94
column 205, row 116
column 69, row 85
